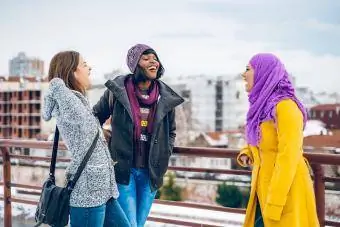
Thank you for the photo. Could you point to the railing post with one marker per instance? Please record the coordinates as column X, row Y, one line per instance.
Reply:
column 7, row 187
column 319, row 190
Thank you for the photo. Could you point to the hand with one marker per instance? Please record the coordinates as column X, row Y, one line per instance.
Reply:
column 245, row 160
column 107, row 135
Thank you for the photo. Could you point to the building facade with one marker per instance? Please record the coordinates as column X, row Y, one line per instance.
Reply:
column 328, row 114
column 217, row 103
column 20, row 109
column 23, row 66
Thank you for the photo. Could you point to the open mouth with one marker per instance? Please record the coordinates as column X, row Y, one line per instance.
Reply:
column 152, row 68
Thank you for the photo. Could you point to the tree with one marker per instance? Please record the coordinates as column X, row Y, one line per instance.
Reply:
column 158, row 194
column 229, row 196
column 170, row 191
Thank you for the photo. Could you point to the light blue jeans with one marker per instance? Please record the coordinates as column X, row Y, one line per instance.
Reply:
column 136, row 198
column 108, row 215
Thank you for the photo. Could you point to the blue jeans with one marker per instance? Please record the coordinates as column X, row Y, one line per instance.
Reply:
column 136, row 198
column 108, row 215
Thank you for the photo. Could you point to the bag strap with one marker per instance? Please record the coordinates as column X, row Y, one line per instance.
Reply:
column 111, row 102
column 54, row 153
column 80, row 169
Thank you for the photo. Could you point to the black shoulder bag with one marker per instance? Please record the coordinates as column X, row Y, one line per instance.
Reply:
column 53, row 207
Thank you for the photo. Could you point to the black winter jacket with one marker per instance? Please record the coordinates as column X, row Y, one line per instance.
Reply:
column 121, row 144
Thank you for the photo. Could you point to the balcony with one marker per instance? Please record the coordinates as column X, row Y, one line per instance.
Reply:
column 317, row 161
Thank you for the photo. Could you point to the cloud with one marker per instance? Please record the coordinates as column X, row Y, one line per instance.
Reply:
column 322, row 27
column 191, row 37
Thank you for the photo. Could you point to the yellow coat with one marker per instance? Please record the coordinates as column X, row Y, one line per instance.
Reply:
column 280, row 175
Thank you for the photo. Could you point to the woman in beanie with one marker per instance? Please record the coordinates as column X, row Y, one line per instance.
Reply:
column 142, row 110
column 281, row 189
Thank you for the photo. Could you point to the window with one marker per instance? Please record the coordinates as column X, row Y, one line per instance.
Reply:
column 26, row 151
column 330, row 114
column 313, row 114
column 238, row 95
column 322, row 114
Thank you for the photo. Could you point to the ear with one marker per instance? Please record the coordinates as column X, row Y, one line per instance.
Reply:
column 75, row 74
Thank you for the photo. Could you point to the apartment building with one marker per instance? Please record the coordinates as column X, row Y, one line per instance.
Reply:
column 20, row 108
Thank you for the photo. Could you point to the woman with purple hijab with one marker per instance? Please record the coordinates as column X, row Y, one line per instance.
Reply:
column 281, row 189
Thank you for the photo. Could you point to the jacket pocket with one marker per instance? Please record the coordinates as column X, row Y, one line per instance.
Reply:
column 98, row 177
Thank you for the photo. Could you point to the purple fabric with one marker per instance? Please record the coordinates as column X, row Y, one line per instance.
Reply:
column 271, row 85
column 134, row 54
column 135, row 97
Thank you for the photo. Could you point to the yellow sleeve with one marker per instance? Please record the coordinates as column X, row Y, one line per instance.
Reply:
column 244, row 151
column 290, row 142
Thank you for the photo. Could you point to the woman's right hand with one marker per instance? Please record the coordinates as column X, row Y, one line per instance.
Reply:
column 245, row 160
column 107, row 135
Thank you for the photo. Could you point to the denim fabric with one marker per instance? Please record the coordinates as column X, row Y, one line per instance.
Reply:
column 107, row 215
column 136, row 198
column 258, row 216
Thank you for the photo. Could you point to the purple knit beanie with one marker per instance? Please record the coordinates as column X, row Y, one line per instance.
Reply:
column 134, row 55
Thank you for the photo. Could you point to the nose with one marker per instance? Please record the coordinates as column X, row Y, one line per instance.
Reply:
column 243, row 76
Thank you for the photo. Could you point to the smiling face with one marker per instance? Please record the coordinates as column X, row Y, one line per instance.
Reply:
column 82, row 73
column 248, row 77
column 72, row 69
column 150, row 64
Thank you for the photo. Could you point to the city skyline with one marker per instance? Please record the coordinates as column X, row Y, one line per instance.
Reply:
column 190, row 37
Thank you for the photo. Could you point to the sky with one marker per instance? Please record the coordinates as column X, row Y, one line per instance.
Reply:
column 212, row 37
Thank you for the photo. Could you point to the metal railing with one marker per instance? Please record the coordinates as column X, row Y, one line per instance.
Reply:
column 316, row 160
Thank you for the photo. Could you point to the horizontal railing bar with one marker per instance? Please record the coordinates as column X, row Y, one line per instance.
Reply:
column 38, row 158
column 157, row 201
column 26, row 186
column 206, row 170
column 178, row 168
column 206, row 152
column 332, row 223
column 332, row 179
column 321, row 158
column 25, row 201
column 179, row 222
column 201, row 206
column 21, row 200
column 30, row 144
